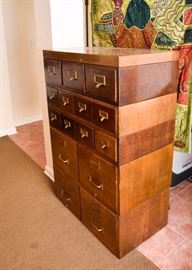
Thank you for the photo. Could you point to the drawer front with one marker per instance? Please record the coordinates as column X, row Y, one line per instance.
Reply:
column 105, row 117
column 68, row 126
column 64, row 154
column 101, row 83
column 99, row 221
column 67, row 191
column 52, row 96
column 65, row 102
column 82, row 108
column 106, row 145
column 54, row 119
column 98, row 177
column 53, row 71
column 73, row 76
column 84, row 134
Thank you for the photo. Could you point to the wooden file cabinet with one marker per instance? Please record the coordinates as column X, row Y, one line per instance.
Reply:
column 112, row 114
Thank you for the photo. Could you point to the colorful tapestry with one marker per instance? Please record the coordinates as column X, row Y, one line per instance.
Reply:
column 163, row 24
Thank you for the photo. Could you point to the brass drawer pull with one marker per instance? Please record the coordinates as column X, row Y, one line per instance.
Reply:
column 101, row 230
column 84, row 133
column 67, row 124
column 72, row 75
column 53, row 117
column 104, row 144
column 103, row 115
column 65, row 161
column 66, row 197
column 65, row 101
column 51, row 70
column 98, row 186
column 51, row 96
column 94, row 164
column 99, row 80
column 82, row 107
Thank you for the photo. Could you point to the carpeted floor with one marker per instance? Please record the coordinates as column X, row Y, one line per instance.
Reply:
column 37, row 232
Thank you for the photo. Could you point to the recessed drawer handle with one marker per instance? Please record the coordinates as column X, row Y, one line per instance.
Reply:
column 53, row 117
column 65, row 161
column 101, row 230
column 99, row 80
column 65, row 101
column 103, row 115
column 72, row 75
column 95, row 164
column 51, row 70
column 84, row 133
column 98, row 186
column 82, row 107
column 104, row 144
column 67, row 124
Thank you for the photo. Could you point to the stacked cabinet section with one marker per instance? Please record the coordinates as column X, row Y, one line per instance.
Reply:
column 112, row 127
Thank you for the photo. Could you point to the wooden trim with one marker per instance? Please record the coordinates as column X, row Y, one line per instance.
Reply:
column 112, row 58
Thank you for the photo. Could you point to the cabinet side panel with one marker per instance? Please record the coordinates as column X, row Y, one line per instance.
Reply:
column 146, row 114
column 142, row 222
column 138, row 83
column 144, row 177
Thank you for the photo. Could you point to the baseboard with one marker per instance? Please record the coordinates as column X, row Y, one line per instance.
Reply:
column 29, row 120
column 8, row 131
column 49, row 172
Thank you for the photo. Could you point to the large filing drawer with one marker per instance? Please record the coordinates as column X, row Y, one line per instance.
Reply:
column 65, row 154
column 99, row 221
column 99, row 178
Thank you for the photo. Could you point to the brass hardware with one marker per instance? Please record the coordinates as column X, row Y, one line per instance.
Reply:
column 65, row 161
column 84, row 133
column 99, row 80
column 53, row 117
column 72, row 75
column 66, row 197
column 82, row 107
column 51, row 70
column 98, row 186
column 104, row 144
column 67, row 124
column 65, row 101
column 103, row 115
column 52, row 96
column 94, row 164
column 101, row 230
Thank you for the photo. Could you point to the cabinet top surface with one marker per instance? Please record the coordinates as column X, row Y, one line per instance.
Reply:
column 115, row 57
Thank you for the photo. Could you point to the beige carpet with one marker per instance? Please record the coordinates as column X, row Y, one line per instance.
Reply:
column 37, row 232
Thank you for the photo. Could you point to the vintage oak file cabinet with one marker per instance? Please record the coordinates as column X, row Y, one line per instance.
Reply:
column 112, row 114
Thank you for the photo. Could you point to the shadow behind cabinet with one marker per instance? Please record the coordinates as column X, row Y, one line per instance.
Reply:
column 112, row 114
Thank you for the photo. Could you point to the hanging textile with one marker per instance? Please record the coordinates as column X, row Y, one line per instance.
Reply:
column 163, row 24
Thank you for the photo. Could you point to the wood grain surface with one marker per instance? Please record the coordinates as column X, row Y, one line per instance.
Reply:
column 145, row 82
column 142, row 222
column 146, row 114
column 112, row 57
column 144, row 177
column 145, row 141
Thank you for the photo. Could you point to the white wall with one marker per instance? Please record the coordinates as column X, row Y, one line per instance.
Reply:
column 43, row 41
column 6, row 114
column 19, row 21
column 68, row 23
column 28, row 27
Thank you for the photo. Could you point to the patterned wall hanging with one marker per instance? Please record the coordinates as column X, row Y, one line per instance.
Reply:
column 163, row 24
